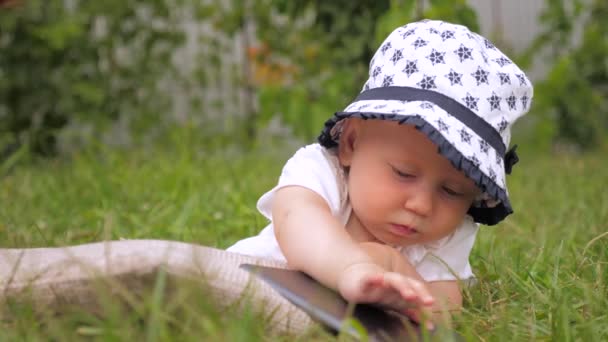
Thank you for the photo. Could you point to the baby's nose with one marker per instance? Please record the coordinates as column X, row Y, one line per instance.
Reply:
column 420, row 202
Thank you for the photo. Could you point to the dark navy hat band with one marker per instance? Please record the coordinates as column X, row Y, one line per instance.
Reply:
column 451, row 106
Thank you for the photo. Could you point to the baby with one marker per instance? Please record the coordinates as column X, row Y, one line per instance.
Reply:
column 386, row 207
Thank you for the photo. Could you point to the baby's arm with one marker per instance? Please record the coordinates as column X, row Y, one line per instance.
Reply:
column 314, row 241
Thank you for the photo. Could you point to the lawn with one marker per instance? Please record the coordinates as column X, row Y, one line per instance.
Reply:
column 541, row 274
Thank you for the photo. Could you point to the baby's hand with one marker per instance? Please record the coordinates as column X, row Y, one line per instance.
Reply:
column 370, row 283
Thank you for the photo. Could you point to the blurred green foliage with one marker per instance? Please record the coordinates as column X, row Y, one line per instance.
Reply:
column 332, row 53
column 573, row 99
column 97, row 62
column 403, row 11
column 345, row 27
column 90, row 60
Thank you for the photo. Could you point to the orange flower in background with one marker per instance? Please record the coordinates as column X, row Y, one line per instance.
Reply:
column 267, row 68
column 260, row 51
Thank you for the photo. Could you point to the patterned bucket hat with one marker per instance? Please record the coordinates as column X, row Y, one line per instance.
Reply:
column 457, row 88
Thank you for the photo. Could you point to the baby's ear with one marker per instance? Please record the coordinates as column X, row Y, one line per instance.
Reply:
column 348, row 137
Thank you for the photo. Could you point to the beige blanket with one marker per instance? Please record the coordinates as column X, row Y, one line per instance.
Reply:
column 55, row 276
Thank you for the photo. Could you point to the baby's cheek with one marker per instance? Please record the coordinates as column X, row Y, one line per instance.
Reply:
column 458, row 209
column 365, row 198
column 381, row 199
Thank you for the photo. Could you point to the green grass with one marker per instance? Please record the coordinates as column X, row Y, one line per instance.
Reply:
column 542, row 273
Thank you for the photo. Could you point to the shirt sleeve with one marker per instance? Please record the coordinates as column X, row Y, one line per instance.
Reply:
column 311, row 167
column 450, row 261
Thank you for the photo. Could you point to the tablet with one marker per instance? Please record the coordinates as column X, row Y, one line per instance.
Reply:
column 331, row 310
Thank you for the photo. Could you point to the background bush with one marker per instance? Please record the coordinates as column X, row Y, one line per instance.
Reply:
column 572, row 101
column 289, row 64
column 96, row 63
column 81, row 60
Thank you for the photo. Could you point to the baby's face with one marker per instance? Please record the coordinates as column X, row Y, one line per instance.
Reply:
column 401, row 189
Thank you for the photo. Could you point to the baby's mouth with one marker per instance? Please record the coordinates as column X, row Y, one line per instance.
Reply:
column 402, row 230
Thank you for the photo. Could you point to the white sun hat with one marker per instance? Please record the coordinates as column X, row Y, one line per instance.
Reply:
column 457, row 88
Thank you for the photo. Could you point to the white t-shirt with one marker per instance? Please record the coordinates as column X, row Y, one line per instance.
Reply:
column 318, row 169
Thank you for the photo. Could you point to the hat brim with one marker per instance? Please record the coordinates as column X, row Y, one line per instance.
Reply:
column 426, row 117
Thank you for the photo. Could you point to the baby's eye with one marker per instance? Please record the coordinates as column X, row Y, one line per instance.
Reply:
column 452, row 192
column 401, row 174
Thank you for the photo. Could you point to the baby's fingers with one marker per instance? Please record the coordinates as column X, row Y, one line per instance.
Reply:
column 410, row 289
column 424, row 295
